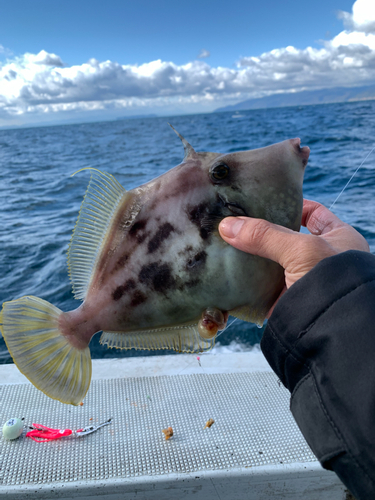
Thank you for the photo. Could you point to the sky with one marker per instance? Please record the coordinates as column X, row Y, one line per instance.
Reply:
column 70, row 61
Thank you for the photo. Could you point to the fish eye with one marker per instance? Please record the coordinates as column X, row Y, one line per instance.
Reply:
column 220, row 172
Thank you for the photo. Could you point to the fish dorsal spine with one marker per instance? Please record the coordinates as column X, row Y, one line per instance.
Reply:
column 103, row 198
column 189, row 150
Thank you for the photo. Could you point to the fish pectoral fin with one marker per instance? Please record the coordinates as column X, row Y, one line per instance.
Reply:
column 250, row 314
column 182, row 338
column 103, row 198
column 30, row 327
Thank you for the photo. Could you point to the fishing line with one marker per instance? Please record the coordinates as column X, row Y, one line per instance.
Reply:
column 226, row 328
column 347, row 184
column 188, row 365
column 196, row 358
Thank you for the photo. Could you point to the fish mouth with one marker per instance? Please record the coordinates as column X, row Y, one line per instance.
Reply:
column 235, row 208
column 303, row 152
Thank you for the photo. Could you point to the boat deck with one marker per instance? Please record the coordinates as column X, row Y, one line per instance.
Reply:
column 254, row 450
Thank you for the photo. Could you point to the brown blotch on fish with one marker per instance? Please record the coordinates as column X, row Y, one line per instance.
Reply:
column 207, row 216
column 199, row 216
column 197, row 213
column 120, row 263
column 120, row 290
column 118, row 293
column 130, row 284
column 186, row 250
column 138, row 232
column 138, row 298
column 162, row 234
column 158, row 276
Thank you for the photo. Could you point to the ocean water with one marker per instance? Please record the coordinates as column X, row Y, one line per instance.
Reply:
column 40, row 200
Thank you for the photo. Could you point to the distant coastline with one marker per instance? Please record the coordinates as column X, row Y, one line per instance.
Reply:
column 282, row 100
column 133, row 117
column 307, row 97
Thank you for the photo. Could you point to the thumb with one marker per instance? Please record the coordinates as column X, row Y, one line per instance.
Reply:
column 259, row 237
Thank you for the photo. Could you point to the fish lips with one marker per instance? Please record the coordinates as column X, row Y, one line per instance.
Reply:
column 303, row 152
column 234, row 208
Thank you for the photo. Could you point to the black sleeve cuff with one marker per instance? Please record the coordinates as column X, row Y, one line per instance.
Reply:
column 320, row 341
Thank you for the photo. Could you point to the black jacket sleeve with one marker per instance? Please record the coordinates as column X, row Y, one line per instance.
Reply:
column 320, row 341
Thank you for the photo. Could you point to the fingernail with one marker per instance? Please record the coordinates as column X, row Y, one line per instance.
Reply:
column 231, row 226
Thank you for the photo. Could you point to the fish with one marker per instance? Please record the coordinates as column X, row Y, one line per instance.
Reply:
column 151, row 268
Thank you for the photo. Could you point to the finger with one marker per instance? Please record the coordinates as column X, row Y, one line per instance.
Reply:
column 259, row 237
column 318, row 219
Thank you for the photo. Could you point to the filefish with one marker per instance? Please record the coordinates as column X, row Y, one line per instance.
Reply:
column 151, row 267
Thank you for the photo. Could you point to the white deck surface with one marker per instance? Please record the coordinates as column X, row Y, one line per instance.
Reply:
column 148, row 366
column 254, row 451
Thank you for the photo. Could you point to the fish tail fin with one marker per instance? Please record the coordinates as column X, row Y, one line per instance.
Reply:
column 31, row 330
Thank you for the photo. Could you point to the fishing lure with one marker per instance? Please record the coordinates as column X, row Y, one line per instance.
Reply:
column 13, row 428
column 41, row 433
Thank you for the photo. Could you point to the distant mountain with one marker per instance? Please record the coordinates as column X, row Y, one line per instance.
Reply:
column 339, row 94
column 132, row 117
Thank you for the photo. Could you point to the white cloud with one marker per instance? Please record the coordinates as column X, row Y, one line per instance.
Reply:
column 44, row 59
column 362, row 17
column 5, row 51
column 203, row 54
column 40, row 84
column 31, row 80
column 346, row 60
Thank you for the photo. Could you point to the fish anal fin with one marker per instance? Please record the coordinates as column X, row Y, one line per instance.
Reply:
column 182, row 338
column 250, row 314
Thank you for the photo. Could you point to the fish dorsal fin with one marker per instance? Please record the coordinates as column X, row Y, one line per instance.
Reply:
column 183, row 338
column 189, row 150
column 103, row 197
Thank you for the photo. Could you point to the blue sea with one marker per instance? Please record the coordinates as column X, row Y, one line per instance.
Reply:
column 40, row 200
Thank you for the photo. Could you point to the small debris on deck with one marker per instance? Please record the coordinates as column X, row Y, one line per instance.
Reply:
column 209, row 423
column 168, row 432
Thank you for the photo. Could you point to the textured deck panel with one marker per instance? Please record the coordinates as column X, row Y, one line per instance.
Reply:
column 253, row 427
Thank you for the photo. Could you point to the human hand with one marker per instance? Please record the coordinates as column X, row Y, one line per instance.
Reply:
column 297, row 253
